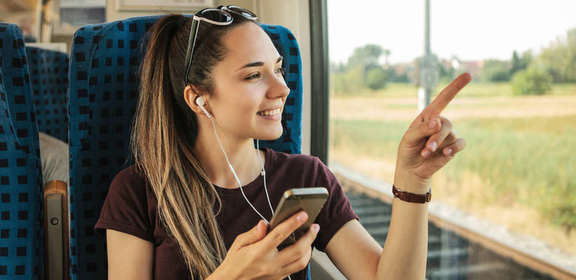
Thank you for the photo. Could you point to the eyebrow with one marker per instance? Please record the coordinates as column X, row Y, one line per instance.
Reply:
column 259, row 63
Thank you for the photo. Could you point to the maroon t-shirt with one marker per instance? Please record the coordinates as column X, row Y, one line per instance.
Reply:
column 131, row 207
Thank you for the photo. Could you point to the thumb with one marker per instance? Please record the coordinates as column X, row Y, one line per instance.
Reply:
column 261, row 229
column 257, row 232
column 253, row 235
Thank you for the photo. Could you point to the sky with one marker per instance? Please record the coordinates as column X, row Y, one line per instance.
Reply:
column 468, row 29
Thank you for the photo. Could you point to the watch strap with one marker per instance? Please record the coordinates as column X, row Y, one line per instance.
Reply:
column 411, row 197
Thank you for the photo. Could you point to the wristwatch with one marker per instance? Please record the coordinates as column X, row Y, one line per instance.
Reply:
column 411, row 197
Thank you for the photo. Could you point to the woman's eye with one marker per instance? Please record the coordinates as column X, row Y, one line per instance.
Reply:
column 253, row 76
column 257, row 75
column 281, row 71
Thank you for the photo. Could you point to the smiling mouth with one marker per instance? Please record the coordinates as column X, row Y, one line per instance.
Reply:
column 270, row 112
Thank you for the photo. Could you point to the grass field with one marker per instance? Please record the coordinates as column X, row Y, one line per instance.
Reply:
column 518, row 169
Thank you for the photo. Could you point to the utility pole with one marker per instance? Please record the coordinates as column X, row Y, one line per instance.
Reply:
column 428, row 66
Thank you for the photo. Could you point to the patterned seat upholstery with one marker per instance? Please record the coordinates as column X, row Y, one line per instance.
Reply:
column 49, row 78
column 103, row 92
column 21, row 237
column 291, row 139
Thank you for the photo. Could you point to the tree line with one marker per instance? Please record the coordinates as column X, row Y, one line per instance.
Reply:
column 527, row 73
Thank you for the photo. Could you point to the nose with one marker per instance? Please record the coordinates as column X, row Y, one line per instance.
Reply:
column 278, row 88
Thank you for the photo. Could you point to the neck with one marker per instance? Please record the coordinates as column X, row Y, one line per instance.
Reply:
column 240, row 151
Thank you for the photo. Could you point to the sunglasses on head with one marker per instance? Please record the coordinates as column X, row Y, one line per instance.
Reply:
column 217, row 16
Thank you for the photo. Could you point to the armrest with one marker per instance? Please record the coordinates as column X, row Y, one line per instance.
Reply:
column 57, row 230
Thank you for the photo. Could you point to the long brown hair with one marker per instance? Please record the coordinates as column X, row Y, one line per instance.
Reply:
column 164, row 133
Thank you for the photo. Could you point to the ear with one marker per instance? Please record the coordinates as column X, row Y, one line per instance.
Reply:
column 190, row 94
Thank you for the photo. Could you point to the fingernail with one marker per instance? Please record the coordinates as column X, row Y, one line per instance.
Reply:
column 315, row 228
column 425, row 153
column 433, row 146
column 432, row 123
column 301, row 216
column 448, row 151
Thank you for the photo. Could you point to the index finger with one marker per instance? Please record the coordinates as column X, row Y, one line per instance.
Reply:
column 447, row 94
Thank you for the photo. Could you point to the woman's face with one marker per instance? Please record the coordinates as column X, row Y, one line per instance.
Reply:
column 249, row 90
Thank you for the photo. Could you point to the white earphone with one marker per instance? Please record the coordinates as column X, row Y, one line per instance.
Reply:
column 200, row 102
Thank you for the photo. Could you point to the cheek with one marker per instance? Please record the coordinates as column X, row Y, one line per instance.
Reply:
column 240, row 101
column 240, row 108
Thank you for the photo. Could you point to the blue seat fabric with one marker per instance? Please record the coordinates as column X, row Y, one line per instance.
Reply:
column 103, row 92
column 21, row 237
column 49, row 81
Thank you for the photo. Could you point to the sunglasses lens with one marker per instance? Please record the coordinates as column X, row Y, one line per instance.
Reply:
column 215, row 15
column 245, row 13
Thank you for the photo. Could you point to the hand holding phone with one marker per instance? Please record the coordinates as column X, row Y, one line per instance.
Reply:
column 310, row 200
column 257, row 252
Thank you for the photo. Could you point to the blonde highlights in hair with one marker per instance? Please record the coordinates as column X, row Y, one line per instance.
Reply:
column 163, row 136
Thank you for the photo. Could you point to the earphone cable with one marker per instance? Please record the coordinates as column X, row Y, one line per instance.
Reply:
column 238, row 180
column 236, row 176
column 264, row 175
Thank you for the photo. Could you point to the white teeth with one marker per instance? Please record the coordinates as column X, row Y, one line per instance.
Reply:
column 270, row 112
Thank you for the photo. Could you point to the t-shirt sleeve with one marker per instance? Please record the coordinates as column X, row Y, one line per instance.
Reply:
column 337, row 210
column 125, row 208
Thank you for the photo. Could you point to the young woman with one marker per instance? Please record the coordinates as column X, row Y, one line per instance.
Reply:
column 192, row 206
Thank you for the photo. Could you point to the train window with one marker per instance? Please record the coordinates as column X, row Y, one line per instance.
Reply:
column 515, row 181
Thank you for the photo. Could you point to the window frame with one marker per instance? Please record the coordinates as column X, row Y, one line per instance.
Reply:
column 319, row 77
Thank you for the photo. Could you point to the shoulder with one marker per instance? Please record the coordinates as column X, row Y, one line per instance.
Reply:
column 129, row 205
column 130, row 174
column 129, row 181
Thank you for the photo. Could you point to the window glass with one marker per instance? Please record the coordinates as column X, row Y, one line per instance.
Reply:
column 518, row 116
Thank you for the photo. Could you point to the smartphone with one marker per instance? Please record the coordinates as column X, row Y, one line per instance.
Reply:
column 293, row 201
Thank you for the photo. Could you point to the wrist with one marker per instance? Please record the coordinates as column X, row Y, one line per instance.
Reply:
column 413, row 186
column 421, row 190
column 411, row 197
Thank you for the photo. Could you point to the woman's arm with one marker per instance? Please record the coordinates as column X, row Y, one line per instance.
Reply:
column 406, row 245
column 359, row 256
column 129, row 257
column 354, row 251
column 428, row 145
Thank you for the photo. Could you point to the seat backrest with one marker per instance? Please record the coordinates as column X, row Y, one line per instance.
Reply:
column 103, row 93
column 21, row 237
column 291, row 139
column 49, row 81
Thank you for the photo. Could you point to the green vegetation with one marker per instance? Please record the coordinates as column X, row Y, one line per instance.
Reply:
column 531, row 82
column 531, row 159
column 375, row 78
column 361, row 71
column 559, row 59
column 530, row 74
column 496, row 71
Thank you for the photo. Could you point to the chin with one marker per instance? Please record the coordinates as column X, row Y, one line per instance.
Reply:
column 271, row 135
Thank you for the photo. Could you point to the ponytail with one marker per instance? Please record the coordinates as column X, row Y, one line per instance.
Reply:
column 162, row 141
